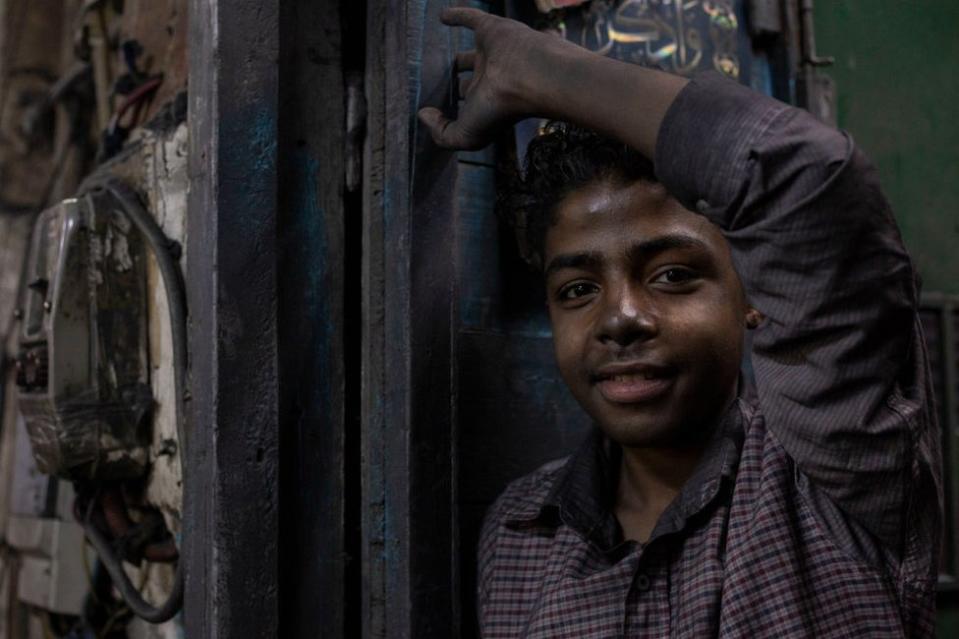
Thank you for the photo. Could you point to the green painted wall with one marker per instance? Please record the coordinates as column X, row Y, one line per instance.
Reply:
column 897, row 76
column 897, row 72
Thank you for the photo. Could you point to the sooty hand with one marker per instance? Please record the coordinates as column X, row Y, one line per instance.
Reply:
column 503, row 86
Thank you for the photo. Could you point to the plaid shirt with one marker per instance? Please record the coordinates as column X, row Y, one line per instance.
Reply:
column 816, row 509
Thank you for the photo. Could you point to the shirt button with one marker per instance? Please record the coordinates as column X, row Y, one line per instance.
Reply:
column 702, row 206
column 642, row 582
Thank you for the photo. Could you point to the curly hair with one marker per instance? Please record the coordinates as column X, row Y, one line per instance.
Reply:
column 560, row 160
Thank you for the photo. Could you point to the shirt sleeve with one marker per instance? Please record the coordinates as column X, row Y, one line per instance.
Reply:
column 839, row 361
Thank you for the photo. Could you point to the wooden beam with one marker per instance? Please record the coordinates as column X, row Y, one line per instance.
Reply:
column 407, row 429
column 315, row 547
column 231, row 476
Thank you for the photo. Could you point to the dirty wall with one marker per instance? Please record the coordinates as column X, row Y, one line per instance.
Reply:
column 88, row 88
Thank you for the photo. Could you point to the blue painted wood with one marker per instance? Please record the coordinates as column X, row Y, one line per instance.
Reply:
column 407, row 430
column 495, row 288
column 312, row 262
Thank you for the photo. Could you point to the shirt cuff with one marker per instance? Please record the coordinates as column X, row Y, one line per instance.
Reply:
column 704, row 142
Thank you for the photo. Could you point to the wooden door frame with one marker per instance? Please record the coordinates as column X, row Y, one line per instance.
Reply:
column 231, row 477
column 410, row 551
column 265, row 526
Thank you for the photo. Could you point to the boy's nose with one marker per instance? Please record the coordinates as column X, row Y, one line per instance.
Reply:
column 626, row 319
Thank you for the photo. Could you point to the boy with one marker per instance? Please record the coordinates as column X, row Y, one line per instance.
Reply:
column 806, row 507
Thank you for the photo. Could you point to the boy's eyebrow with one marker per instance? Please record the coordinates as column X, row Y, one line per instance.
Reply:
column 640, row 250
column 574, row 260
column 648, row 248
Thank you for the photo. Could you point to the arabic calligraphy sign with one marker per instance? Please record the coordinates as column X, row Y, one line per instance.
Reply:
column 681, row 36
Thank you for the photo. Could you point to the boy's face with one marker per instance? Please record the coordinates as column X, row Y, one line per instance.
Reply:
column 647, row 310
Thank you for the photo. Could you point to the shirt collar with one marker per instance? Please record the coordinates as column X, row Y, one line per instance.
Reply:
column 583, row 494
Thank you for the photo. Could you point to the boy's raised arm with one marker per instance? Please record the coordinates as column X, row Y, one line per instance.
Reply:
column 518, row 72
column 839, row 360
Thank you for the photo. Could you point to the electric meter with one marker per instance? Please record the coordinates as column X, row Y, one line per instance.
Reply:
column 82, row 369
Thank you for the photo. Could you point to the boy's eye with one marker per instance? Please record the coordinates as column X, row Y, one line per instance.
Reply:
column 675, row 275
column 576, row 290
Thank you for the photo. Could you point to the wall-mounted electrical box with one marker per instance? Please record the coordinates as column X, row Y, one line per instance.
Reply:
column 82, row 368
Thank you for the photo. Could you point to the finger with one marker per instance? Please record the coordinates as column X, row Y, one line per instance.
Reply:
column 465, row 60
column 463, row 17
column 464, row 86
column 444, row 131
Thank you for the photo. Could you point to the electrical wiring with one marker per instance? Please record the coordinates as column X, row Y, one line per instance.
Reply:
column 114, row 135
column 162, row 249
column 135, row 99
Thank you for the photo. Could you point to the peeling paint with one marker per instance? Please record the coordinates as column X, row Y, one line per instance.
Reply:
column 166, row 183
column 120, row 252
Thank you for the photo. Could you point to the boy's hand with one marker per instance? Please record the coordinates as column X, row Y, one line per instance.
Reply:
column 503, row 87
column 519, row 72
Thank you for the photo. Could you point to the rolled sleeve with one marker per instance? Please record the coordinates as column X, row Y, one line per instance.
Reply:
column 840, row 368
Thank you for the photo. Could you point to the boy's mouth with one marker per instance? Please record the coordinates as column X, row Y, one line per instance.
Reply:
column 633, row 383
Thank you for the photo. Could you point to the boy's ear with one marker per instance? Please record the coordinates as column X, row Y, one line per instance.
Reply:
column 753, row 318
